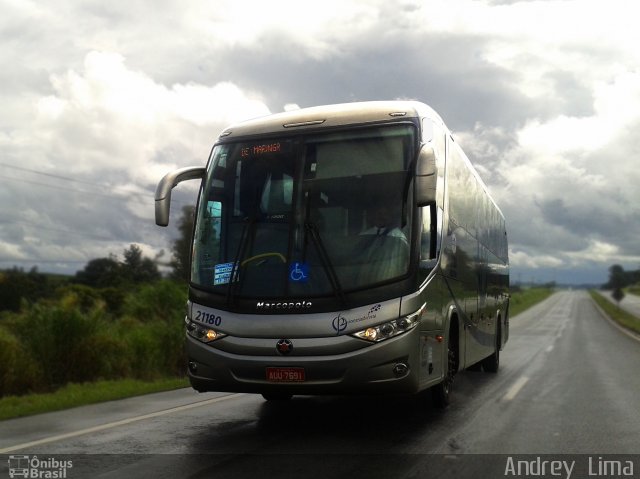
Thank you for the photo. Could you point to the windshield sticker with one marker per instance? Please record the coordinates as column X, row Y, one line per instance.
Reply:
column 299, row 272
column 222, row 274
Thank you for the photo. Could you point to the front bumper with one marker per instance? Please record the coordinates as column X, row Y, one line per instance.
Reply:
column 350, row 366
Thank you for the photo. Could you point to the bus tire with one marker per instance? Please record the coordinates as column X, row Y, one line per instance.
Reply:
column 277, row 396
column 442, row 392
column 491, row 364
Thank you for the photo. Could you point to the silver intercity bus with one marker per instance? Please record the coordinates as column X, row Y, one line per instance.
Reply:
column 342, row 249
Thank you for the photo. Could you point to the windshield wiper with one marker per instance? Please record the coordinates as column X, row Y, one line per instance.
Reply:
column 247, row 232
column 311, row 230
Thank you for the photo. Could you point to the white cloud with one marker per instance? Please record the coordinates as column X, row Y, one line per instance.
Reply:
column 616, row 105
column 10, row 250
column 115, row 131
column 317, row 27
column 525, row 259
column 109, row 117
column 96, row 94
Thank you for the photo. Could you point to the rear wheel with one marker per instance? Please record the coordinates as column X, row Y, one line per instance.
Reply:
column 491, row 364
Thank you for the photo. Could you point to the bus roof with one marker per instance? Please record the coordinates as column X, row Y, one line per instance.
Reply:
column 331, row 116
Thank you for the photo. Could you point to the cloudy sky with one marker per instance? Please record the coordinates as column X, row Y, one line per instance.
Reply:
column 100, row 99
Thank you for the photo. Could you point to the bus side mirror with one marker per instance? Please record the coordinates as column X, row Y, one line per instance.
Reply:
column 167, row 183
column 426, row 177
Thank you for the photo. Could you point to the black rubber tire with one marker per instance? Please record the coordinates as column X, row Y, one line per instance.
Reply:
column 491, row 364
column 277, row 396
column 442, row 392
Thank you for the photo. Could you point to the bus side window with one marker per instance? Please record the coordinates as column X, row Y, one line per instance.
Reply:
column 428, row 237
column 425, row 234
column 429, row 233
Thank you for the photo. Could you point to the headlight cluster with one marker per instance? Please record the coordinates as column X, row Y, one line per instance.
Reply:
column 201, row 333
column 390, row 329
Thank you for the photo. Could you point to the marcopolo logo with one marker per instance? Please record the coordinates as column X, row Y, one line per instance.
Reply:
column 261, row 305
column 34, row 467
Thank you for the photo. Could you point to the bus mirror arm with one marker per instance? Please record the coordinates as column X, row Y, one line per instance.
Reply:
column 426, row 177
column 167, row 183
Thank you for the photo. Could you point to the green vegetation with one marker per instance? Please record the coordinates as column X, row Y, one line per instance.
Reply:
column 115, row 329
column 79, row 337
column 635, row 289
column 522, row 299
column 85, row 345
column 622, row 317
column 81, row 394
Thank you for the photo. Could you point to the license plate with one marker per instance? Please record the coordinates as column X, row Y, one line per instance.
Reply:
column 285, row 375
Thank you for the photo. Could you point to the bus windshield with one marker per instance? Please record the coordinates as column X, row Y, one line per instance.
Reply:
column 305, row 216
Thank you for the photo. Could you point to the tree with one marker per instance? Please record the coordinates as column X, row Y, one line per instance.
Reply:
column 109, row 272
column 182, row 246
column 101, row 273
column 618, row 295
column 16, row 285
column 617, row 277
column 137, row 269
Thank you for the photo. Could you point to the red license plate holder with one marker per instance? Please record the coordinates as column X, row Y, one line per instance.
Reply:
column 286, row 375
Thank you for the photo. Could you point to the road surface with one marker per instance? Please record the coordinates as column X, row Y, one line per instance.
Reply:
column 568, row 384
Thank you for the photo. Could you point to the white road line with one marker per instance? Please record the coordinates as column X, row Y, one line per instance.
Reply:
column 122, row 422
column 515, row 389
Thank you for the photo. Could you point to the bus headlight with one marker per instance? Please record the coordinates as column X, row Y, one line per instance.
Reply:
column 390, row 329
column 202, row 333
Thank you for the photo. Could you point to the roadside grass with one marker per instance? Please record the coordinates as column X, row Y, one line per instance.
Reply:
column 619, row 315
column 73, row 395
column 524, row 299
column 635, row 289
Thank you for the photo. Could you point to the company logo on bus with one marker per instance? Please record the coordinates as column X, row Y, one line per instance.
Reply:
column 340, row 323
column 262, row 305
column 284, row 346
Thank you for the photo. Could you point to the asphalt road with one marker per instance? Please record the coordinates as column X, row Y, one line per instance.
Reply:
column 568, row 384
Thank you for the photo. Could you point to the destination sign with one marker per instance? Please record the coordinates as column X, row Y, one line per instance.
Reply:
column 259, row 150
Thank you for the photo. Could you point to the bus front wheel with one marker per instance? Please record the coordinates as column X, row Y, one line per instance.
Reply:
column 442, row 391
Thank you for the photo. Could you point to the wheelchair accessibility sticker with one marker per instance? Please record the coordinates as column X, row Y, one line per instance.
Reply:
column 299, row 272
